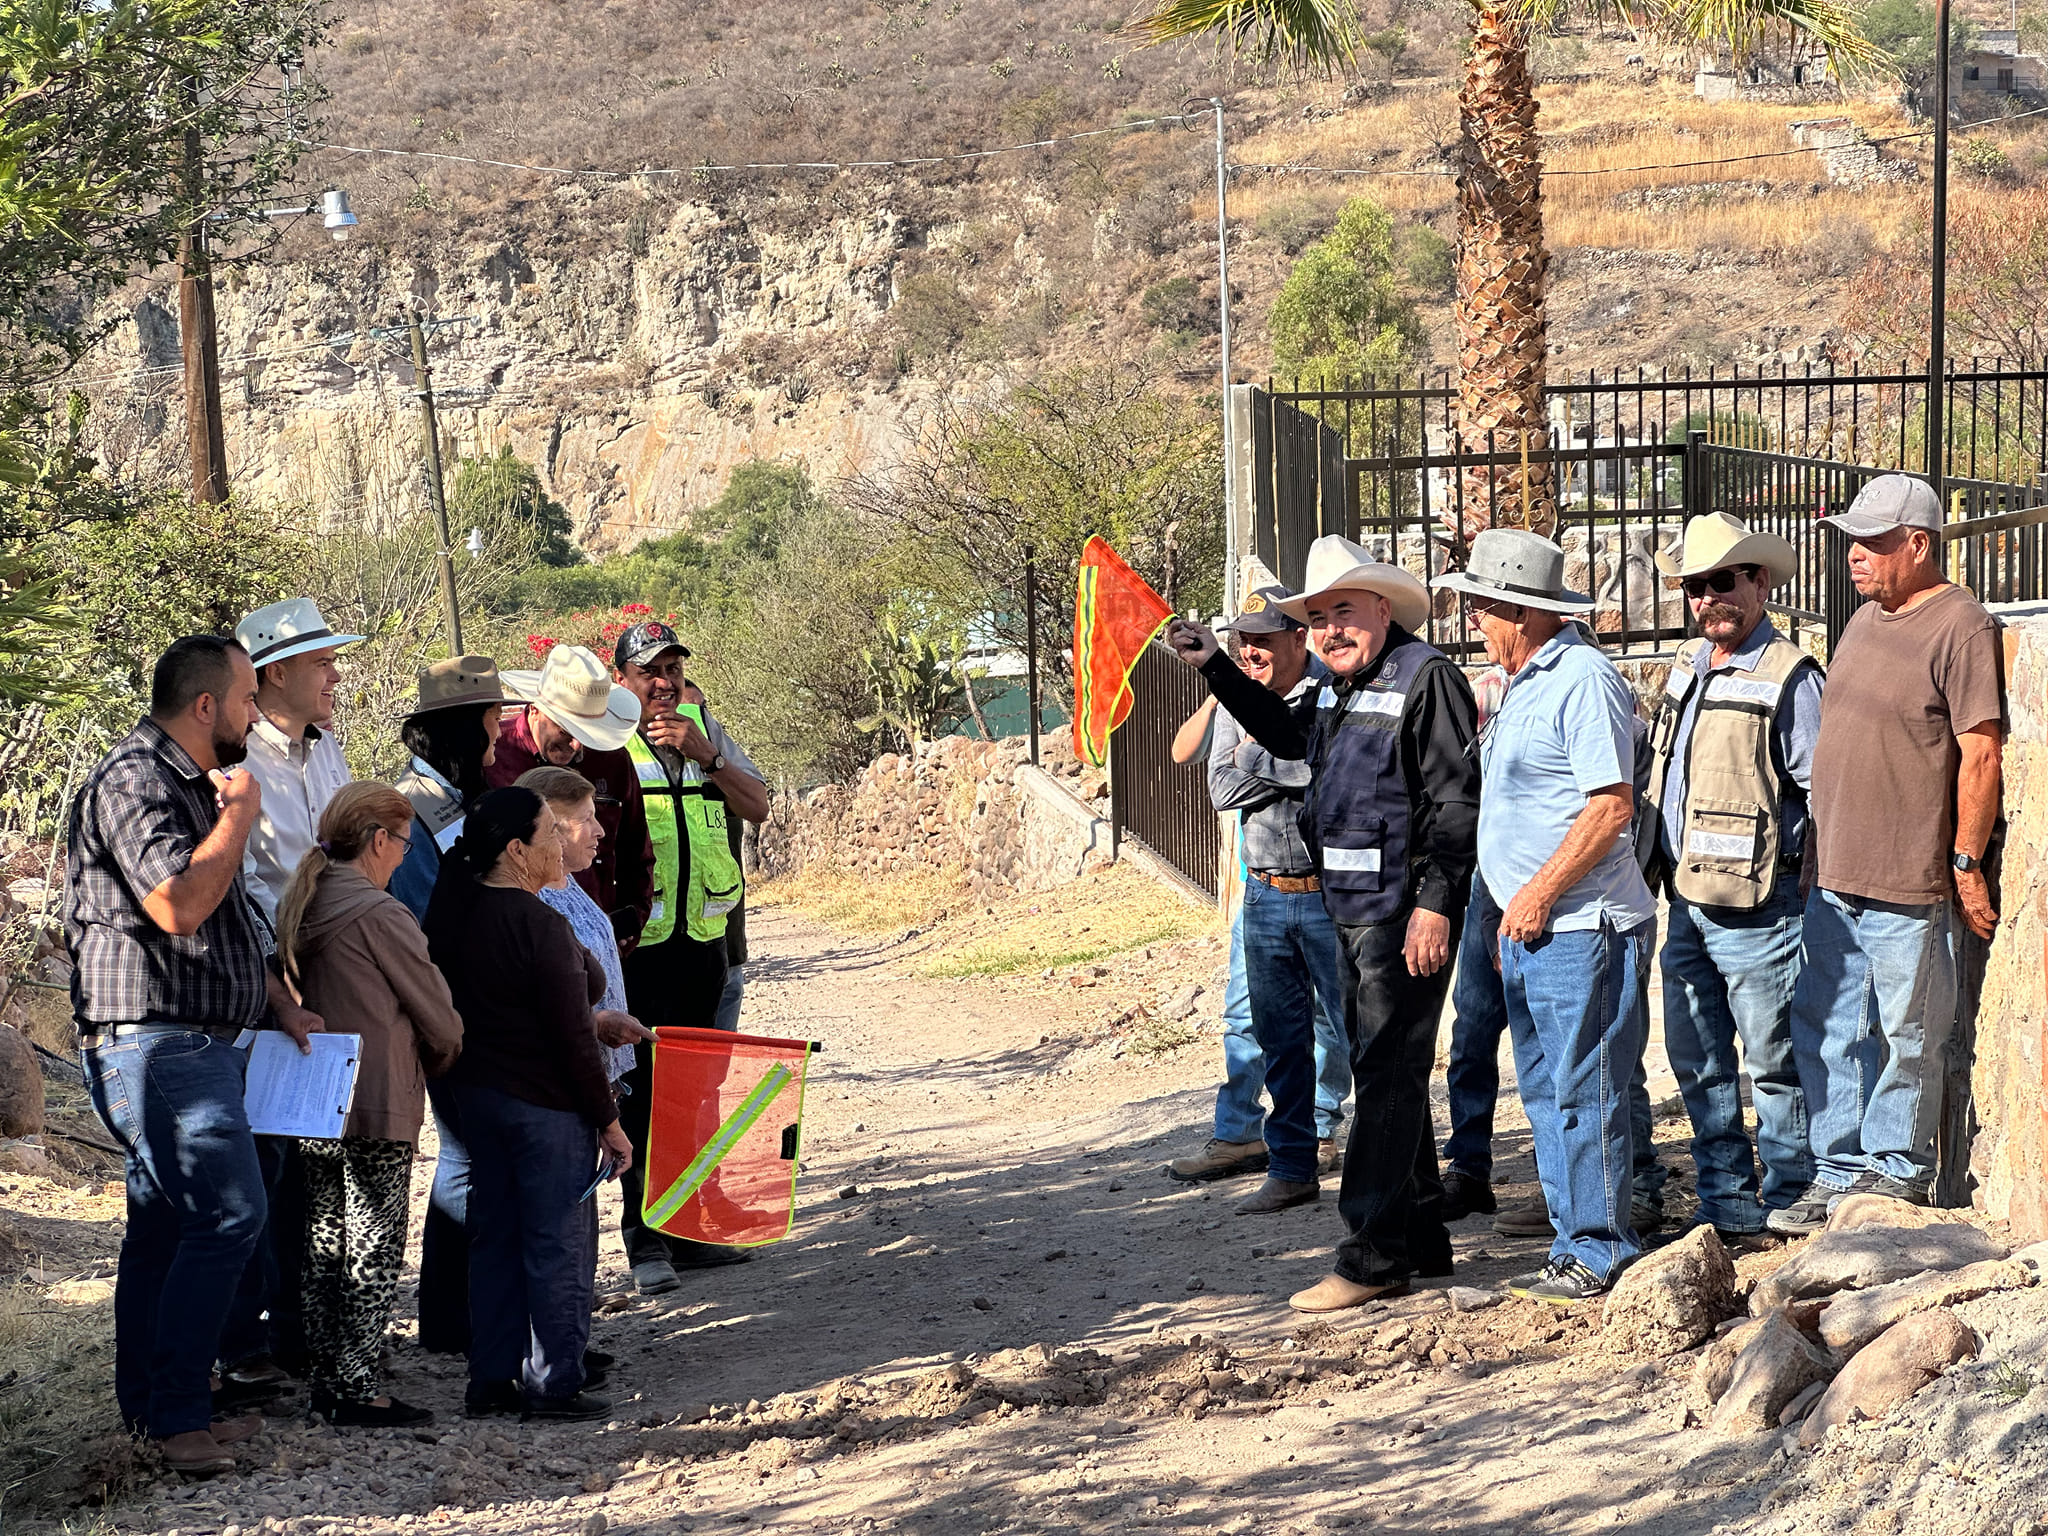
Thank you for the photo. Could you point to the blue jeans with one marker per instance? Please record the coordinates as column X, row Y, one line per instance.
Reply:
column 196, row 1208
column 1239, row 1114
column 1291, row 966
column 1472, row 1077
column 728, row 1017
column 530, row 1271
column 1872, row 1014
column 444, row 1242
column 1573, row 1000
column 1729, row 976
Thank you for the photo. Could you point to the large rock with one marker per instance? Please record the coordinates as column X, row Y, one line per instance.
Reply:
column 21, row 1086
column 1854, row 1318
column 1866, row 1210
column 1775, row 1366
column 1891, row 1368
column 1670, row 1300
column 1716, row 1366
column 1863, row 1257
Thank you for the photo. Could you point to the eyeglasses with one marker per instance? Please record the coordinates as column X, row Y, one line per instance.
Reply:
column 1477, row 608
column 1718, row 582
column 405, row 842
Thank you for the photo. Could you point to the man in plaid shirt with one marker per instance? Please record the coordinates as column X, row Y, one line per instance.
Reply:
column 168, row 969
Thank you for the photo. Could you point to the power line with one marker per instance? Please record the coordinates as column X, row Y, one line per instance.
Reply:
column 765, row 165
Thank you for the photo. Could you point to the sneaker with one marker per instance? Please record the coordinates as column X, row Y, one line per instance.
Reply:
column 1278, row 1195
column 1220, row 1160
column 1865, row 1183
column 492, row 1400
column 1466, row 1196
column 1809, row 1213
column 1329, row 1154
column 653, row 1277
column 1529, row 1220
column 1560, row 1283
column 574, row 1409
column 1913, row 1191
column 1645, row 1215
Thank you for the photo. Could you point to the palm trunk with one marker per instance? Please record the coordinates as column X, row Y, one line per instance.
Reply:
column 1503, row 274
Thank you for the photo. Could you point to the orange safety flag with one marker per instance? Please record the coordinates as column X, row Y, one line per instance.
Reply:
column 722, row 1136
column 1115, row 617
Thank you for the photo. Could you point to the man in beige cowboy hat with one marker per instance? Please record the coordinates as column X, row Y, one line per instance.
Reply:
column 293, row 751
column 1577, row 919
column 1733, row 740
column 576, row 716
column 1391, row 816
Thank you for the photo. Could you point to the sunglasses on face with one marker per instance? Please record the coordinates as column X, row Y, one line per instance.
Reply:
column 1719, row 582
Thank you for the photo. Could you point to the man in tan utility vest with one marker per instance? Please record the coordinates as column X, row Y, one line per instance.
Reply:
column 1734, row 741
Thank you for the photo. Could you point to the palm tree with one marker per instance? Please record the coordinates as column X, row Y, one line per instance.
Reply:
column 1503, row 266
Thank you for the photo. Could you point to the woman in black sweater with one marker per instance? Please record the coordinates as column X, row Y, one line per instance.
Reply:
column 536, row 1107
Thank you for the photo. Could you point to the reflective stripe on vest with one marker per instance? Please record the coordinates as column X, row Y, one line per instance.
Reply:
column 711, row 885
column 1733, row 817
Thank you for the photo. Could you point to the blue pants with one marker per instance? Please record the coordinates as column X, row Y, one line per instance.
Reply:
column 1872, row 1014
column 1239, row 1114
column 196, row 1208
column 530, row 1271
column 444, row 1242
column 1472, row 1078
column 728, row 1016
column 1573, row 1000
column 1728, row 976
column 1297, row 986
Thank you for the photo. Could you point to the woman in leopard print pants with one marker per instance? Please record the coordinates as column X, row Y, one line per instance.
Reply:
column 361, row 963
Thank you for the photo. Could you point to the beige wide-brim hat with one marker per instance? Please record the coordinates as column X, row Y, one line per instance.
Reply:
column 1336, row 564
column 456, row 681
column 573, row 689
column 1715, row 541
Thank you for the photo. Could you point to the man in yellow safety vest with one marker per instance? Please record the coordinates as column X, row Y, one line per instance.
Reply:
column 692, row 775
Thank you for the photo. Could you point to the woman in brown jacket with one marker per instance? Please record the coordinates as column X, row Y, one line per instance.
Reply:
column 360, row 962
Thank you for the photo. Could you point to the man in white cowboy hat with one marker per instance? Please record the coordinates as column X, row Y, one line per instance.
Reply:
column 576, row 716
column 292, row 748
column 1905, row 800
column 1733, row 741
column 1391, row 815
column 1577, row 919
column 1293, row 983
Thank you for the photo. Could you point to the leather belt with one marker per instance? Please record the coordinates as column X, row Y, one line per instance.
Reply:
column 93, row 1039
column 1291, row 885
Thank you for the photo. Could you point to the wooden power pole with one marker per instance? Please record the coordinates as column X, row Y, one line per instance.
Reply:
column 423, row 382
column 205, row 439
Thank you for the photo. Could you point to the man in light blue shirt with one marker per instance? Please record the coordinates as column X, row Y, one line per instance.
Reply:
column 1556, row 854
column 1734, row 739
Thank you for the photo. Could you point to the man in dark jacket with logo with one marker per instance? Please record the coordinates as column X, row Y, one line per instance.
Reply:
column 1392, row 817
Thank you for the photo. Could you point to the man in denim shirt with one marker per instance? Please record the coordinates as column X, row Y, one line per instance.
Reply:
column 1290, row 946
column 1577, row 918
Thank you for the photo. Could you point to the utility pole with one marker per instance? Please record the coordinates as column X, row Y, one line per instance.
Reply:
column 206, row 441
column 423, row 379
column 1223, row 312
column 1937, row 365
column 1031, row 694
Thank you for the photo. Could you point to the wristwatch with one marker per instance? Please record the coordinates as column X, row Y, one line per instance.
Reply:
column 718, row 765
column 1965, row 863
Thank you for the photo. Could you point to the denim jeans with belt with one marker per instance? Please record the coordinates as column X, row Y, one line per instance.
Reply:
column 1728, row 976
column 1391, row 1198
column 1573, row 1012
column 196, row 1208
column 1872, row 1014
column 530, row 1256
column 1296, row 982
column 1240, row 1116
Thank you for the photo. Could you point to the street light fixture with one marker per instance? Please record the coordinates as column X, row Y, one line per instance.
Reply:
column 333, row 209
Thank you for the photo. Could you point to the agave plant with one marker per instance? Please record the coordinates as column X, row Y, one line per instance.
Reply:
column 1503, row 265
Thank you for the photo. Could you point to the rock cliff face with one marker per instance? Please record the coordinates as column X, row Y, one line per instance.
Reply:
column 634, row 373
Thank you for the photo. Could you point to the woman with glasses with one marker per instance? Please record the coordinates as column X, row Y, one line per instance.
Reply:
column 360, row 961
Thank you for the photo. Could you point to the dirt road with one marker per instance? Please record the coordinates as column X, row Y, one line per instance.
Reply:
column 998, row 1315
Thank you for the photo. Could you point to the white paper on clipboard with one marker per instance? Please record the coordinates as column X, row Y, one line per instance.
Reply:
column 288, row 1094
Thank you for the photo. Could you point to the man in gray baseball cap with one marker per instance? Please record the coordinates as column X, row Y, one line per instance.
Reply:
column 1904, row 799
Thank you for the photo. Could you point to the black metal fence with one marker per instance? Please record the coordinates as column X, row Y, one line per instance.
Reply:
column 1152, row 799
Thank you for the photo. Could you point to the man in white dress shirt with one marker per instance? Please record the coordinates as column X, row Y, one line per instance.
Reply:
column 292, row 750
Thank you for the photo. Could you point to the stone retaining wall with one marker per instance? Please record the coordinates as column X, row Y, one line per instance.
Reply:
column 2009, row 1076
column 953, row 804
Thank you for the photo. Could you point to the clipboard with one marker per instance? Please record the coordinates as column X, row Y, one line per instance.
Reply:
column 309, row 1096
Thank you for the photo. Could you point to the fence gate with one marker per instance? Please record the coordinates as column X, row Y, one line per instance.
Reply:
column 1152, row 799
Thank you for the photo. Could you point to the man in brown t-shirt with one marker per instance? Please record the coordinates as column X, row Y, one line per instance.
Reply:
column 1905, row 795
